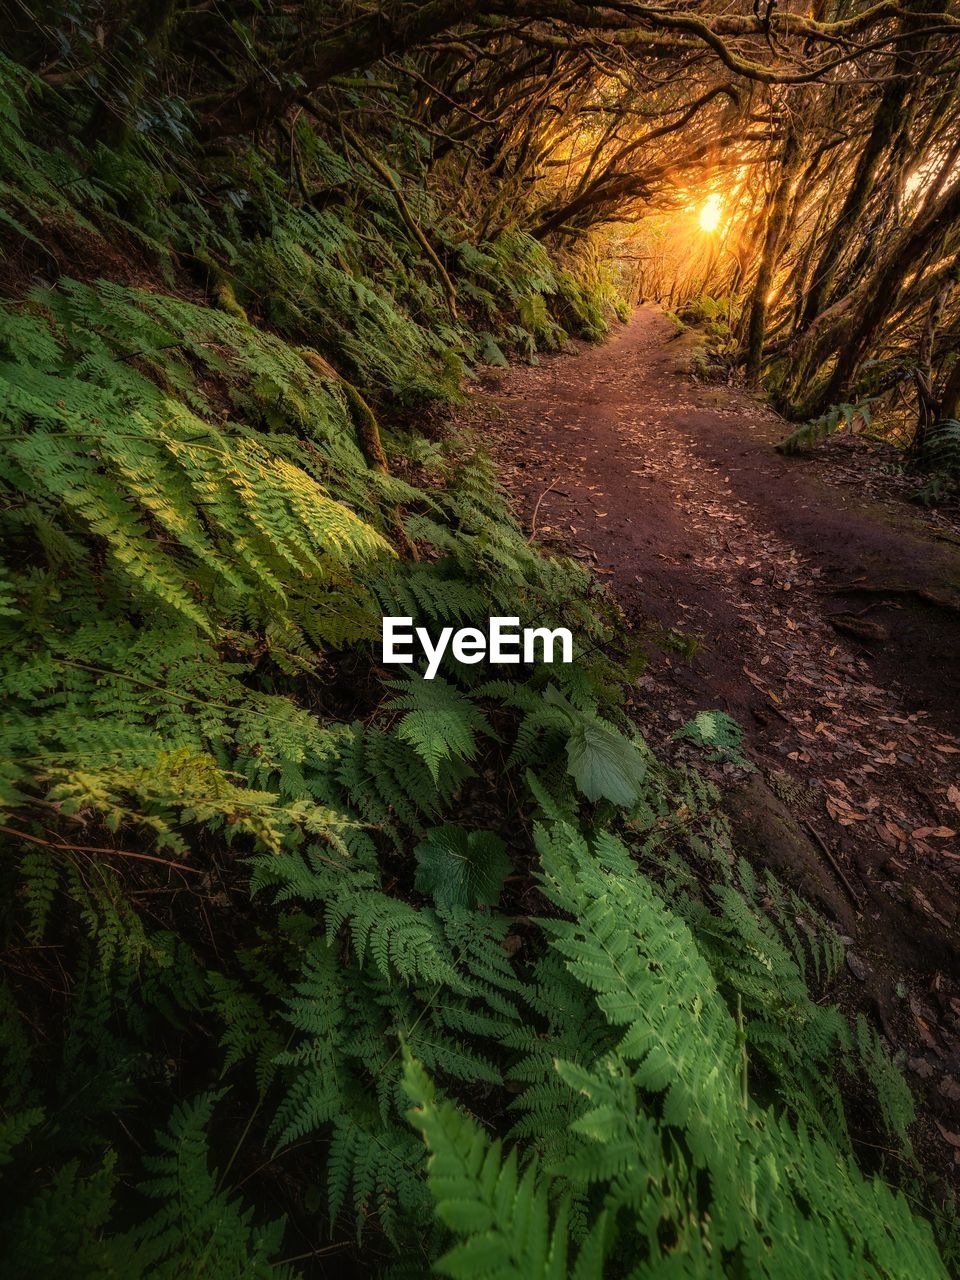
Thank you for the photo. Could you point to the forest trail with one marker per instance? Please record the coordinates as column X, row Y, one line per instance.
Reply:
column 826, row 622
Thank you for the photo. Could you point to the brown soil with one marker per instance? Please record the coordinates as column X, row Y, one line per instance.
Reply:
column 826, row 618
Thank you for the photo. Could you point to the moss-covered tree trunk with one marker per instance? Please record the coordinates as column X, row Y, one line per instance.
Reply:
column 776, row 224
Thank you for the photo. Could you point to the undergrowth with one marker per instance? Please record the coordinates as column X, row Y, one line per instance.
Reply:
column 308, row 969
column 836, row 418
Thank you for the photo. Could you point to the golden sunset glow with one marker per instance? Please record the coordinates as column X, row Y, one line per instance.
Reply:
column 711, row 213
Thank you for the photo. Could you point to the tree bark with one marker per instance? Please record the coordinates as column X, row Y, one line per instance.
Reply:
column 776, row 222
column 126, row 80
column 849, row 335
column 884, row 126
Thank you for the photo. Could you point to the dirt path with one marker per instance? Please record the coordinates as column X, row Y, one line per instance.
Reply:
column 825, row 620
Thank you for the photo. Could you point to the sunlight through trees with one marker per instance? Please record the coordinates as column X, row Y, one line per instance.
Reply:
column 711, row 213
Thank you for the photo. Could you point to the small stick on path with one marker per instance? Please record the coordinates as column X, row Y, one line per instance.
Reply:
column 533, row 518
column 837, row 869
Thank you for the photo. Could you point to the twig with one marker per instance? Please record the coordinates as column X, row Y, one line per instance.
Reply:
column 772, row 706
column 533, row 518
column 837, row 869
column 92, row 848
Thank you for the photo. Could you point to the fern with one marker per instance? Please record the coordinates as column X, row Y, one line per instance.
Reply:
column 439, row 722
column 940, row 457
column 198, row 1229
column 379, row 1174
column 198, row 541
column 14, row 1130
column 266, row 525
column 679, row 1040
column 429, row 592
column 182, row 788
column 893, row 1093
column 834, row 419
column 41, row 878
column 503, row 1216
column 719, row 733
column 799, row 1042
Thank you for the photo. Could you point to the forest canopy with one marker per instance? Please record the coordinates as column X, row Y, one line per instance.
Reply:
column 317, row 967
column 829, row 136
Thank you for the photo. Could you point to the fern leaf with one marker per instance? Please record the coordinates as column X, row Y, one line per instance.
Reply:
column 440, row 722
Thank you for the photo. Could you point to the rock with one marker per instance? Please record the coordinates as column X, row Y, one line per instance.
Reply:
column 857, row 967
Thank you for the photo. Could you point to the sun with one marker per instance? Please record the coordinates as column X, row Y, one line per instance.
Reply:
column 711, row 213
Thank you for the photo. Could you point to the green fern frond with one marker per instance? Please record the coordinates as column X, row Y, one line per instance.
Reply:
column 501, row 1216
column 439, row 722
column 198, row 1229
column 834, row 419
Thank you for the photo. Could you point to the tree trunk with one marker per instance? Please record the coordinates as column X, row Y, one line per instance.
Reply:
column 776, row 222
column 368, row 41
column 884, row 126
column 890, row 122
column 881, row 291
column 126, row 80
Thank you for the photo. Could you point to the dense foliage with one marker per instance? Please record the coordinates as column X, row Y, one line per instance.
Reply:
column 308, row 967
